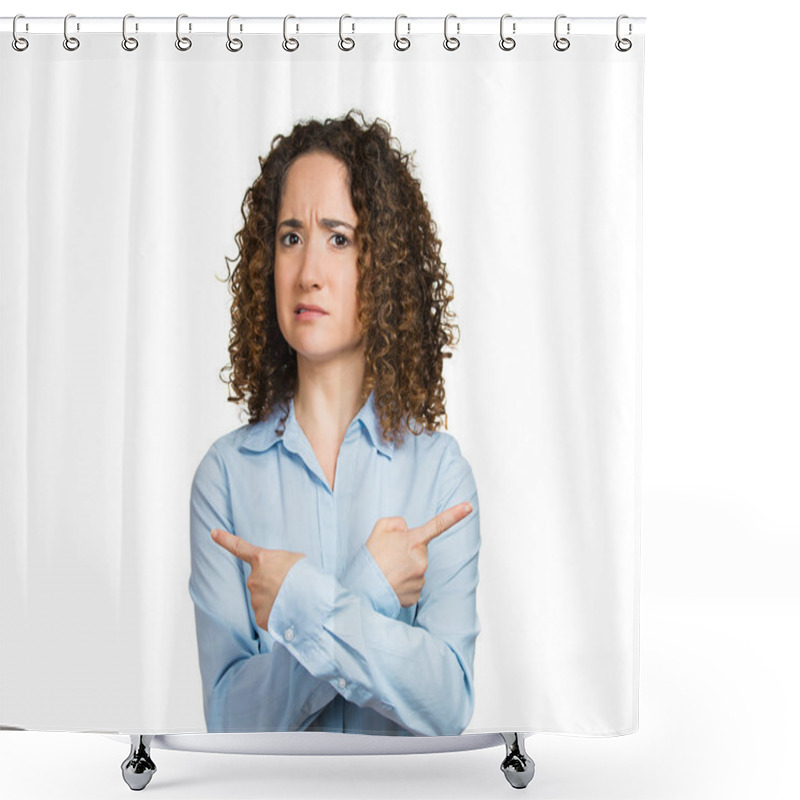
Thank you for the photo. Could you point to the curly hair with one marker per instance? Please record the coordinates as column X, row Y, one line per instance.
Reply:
column 402, row 285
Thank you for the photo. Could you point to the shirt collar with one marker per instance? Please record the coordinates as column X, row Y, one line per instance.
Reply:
column 260, row 436
column 370, row 420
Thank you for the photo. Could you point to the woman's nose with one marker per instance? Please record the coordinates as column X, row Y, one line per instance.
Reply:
column 311, row 268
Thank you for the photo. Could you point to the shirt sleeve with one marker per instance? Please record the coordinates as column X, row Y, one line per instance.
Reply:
column 420, row 675
column 364, row 577
column 250, row 682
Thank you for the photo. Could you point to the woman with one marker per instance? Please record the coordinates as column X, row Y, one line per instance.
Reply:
column 334, row 557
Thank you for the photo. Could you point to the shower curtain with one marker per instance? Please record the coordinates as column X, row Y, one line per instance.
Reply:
column 124, row 174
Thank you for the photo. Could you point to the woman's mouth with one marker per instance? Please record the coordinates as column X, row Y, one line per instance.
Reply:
column 308, row 312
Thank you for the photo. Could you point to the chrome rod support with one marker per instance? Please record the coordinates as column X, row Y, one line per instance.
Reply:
column 138, row 768
column 517, row 766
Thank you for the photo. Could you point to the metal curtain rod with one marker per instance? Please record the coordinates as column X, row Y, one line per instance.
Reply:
column 321, row 25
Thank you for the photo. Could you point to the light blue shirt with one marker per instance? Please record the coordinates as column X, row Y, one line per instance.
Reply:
column 341, row 654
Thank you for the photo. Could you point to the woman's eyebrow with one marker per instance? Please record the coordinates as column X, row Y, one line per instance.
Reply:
column 335, row 223
column 326, row 223
column 291, row 223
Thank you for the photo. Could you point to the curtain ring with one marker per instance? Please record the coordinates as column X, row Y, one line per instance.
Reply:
column 290, row 45
column 401, row 43
column 506, row 42
column 70, row 42
column 451, row 42
column 183, row 43
column 345, row 43
column 561, row 43
column 18, row 42
column 128, row 42
column 623, row 45
column 234, row 45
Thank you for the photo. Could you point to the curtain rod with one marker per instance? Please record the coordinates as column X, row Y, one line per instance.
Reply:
column 326, row 25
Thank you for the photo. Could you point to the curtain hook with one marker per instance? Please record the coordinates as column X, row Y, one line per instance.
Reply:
column 561, row 43
column 70, row 42
column 451, row 42
column 129, row 43
column 234, row 45
column 290, row 45
column 183, row 43
column 623, row 45
column 506, row 42
column 401, row 43
column 18, row 42
column 346, row 43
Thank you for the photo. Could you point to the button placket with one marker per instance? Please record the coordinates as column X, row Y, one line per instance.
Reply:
column 339, row 498
column 328, row 533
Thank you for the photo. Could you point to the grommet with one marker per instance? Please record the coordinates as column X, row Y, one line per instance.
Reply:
column 561, row 43
column 401, row 43
column 345, row 43
column 70, row 42
column 129, row 43
column 183, row 43
column 19, row 43
column 506, row 42
column 451, row 42
column 234, row 45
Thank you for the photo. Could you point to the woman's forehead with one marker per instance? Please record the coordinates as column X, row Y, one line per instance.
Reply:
column 317, row 178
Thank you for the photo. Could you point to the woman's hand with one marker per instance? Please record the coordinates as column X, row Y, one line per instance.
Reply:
column 402, row 554
column 268, row 570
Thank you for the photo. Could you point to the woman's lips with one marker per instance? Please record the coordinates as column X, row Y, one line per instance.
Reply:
column 309, row 314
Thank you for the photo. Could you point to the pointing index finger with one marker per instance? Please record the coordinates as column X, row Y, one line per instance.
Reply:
column 234, row 544
column 441, row 522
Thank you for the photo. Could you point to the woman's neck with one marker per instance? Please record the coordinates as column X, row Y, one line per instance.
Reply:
column 328, row 396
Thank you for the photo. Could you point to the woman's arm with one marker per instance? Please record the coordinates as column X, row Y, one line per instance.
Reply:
column 364, row 577
column 420, row 675
column 250, row 683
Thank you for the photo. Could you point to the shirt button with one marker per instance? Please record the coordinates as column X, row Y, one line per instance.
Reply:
column 289, row 635
column 342, row 683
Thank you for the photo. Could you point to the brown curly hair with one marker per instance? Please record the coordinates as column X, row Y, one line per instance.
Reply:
column 402, row 285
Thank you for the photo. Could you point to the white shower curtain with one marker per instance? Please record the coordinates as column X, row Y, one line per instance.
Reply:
column 123, row 175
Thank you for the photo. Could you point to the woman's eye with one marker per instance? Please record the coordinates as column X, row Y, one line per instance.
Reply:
column 290, row 238
column 340, row 240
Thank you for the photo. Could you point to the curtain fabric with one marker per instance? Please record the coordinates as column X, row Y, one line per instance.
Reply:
column 122, row 182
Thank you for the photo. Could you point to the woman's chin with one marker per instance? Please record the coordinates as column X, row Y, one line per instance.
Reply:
column 317, row 355
column 323, row 355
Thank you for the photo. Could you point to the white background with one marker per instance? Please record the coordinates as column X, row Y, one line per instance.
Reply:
column 721, row 436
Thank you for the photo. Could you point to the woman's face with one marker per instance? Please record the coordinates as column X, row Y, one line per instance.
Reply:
column 315, row 260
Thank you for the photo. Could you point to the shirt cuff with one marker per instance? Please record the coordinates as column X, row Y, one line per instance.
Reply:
column 304, row 601
column 301, row 620
column 364, row 577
